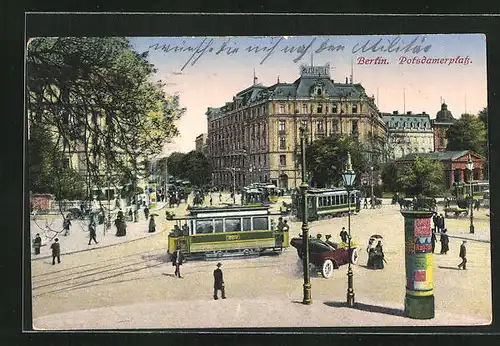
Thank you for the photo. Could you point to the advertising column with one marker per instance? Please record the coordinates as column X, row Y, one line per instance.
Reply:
column 151, row 194
column 419, row 299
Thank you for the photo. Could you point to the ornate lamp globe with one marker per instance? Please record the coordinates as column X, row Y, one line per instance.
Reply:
column 470, row 164
column 348, row 176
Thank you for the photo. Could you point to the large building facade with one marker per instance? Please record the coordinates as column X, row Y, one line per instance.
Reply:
column 409, row 133
column 256, row 136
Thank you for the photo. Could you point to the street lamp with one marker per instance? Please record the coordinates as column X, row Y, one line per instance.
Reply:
column 372, row 200
column 470, row 167
column 305, row 228
column 349, row 176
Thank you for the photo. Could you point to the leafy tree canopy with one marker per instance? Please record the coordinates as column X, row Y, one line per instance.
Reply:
column 97, row 96
column 423, row 176
column 326, row 159
column 468, row 133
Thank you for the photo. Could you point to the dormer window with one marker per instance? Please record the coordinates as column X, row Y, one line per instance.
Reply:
column 319, row 92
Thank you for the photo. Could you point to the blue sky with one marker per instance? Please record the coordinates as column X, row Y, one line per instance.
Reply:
column 215, row 78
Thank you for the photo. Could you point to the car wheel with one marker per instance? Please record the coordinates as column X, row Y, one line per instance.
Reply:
column 354, row 256
column 327, row 269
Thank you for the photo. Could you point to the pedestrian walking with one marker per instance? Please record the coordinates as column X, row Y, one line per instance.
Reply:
column 37, row 243
column 152, row 224
column 343, row 235
column 441, row 223
column 433, row 240
column 462, row 255
column 56, row 251
column 365, row 204
column 219, row 282
column 380, row 257
column 445, row 241
column 66, row 225
column 146, row 213
column 220, row 197
column 477, row 205
column 435, row 219
column 177, row 260
column 211, row 201
column 92, row 232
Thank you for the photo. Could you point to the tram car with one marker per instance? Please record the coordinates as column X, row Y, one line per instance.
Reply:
column 227, row 231
column 327, row 202
column 253, row 197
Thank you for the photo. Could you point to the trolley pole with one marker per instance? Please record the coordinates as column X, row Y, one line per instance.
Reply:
column 305, row 227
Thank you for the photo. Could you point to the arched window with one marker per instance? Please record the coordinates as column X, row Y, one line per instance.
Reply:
column 319, row 91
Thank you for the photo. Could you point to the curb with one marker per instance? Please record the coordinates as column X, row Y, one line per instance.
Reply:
column 104, row 246
column 470, row 239
column 97, row 248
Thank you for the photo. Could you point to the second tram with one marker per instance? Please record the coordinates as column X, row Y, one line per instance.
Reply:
column 327, row 202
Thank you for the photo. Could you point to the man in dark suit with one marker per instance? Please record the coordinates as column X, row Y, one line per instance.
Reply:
column 219, row 282
column 435, row 220
column 177, row 260
column 56, row 251
column 343, row 235
column 92, row 232
column 433, row 240
column 37, row 243
column 463, row 254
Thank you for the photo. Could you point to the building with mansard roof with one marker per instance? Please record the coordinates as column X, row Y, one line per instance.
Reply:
column 256, row 136
column 408, row 133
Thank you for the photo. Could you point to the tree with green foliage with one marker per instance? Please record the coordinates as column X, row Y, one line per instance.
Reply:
column 423, row 176
column 326, row 159
column 97, row 96
column 390, row 174
column 468, row 133
column 198, row 169
column 483, row 115
column 175, row 164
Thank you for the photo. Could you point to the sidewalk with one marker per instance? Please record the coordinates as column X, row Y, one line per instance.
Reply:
column 234, row 312
column 78, row 237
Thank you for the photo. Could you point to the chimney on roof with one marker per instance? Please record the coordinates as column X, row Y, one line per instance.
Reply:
column 346, row 80
column 394, row 112
column 423, row 113
column 409, row 112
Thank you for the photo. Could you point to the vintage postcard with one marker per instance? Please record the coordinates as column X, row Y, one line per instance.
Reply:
column 258, row 182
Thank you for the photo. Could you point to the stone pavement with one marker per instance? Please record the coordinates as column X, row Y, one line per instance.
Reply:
column 78, row 237
column 279, row 312
column 50, row 227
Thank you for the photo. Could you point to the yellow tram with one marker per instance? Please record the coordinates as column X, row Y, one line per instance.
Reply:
column 230, row 230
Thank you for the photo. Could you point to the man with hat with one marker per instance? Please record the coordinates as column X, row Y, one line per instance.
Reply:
column 177, row 259
column 343, row 235
column 463, row 253
column 37, row 243
column 56, row 251
column 219, row 282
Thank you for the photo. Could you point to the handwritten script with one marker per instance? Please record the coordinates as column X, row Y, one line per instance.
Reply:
column 197, row 49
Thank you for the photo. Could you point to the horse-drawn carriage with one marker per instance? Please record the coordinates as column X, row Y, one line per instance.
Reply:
column 427, row 203
column 456, row 207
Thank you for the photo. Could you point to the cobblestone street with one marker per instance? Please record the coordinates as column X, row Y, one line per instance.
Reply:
column 131, row 285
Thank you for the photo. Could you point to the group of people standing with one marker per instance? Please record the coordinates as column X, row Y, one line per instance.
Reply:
column 439, row 227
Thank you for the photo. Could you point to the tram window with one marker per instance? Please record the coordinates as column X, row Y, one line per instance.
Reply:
column 233, row 225
column 260, row 223
column 204, row 226
column 247, row 226
column 320, row 201
column 337, row 201
column 218, row 226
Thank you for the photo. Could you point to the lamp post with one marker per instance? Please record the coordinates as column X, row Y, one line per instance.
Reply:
column 470, row 167
column 372, row 201
column 305, row 227
column 349, row 177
